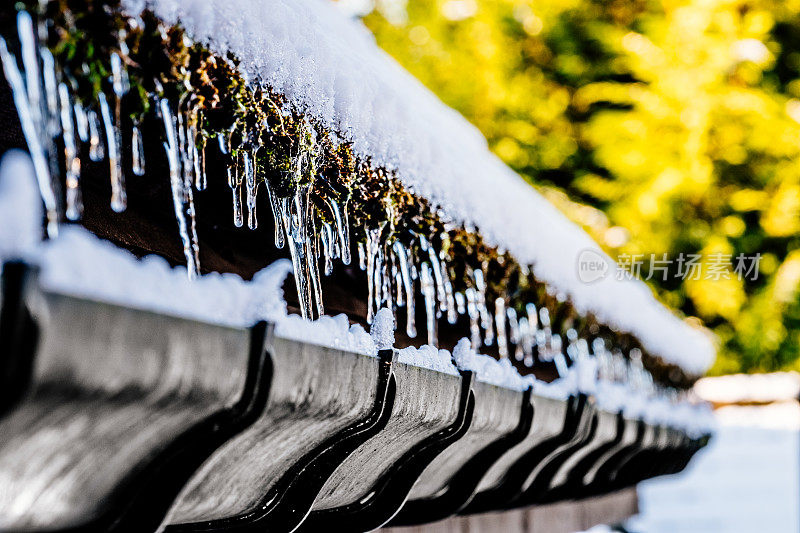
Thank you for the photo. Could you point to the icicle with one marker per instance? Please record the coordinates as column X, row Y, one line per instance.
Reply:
column 533, row 317
column 384, row 280
column 544, row 317
column 327, row 239
column 436, row 267
column 525, row 346
column 373, row 245
column 474, row 317
column 300, row 227
column 81, row 122
column 119, row 76
column 224, row 144
column 429, row 294
column 572, row 343
column 461, row 303
column 342, row 228
column 235, row 183
column 486, row 318
column 72, row 162
column 121, row 86
column 400, row 295
column 96, row 148
column 514, row 333
column 251, row 187
column 280, row 238
column 119, row 199
column 313, row 254
column 558, row 356
column 362, row 257
column 137, row 151
column 182, row 200
column 500, row 325
column 201, row 180
column 408, row 287
column 184, row 151
column 452, row 315
column 30, row 129
column 30, row 62
column 51, row 92
column 297, row 251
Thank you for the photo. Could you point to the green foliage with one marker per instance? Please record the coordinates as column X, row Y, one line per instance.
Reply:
column 676, row 121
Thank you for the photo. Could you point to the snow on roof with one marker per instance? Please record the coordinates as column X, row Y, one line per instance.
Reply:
column 330, row 66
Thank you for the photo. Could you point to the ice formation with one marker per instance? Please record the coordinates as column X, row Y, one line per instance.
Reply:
column 81, row 264
column 330, row 66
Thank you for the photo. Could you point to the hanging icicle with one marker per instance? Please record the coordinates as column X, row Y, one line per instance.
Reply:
column 251, row 187
column 274, row 204
column 182, row 199
column 81, row 121
column 137, row 151
column 72, row 160
column 429, row 294
column 201, row 180
column 500, row 325
column 474, row 317
column 342, row 228
column 119, row 198
column 30, row 120
column 486, row 318
column 408, row 287
column 373, row 267
column 96, row 148
column 299, row 222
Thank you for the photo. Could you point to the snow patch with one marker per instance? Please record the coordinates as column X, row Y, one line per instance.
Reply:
column 21, row 212
column 382, row 329
column 430, row 357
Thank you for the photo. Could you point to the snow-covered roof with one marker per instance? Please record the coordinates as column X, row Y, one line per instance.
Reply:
column 330, row 67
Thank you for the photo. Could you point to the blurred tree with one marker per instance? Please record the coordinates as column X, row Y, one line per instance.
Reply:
column 676, row 121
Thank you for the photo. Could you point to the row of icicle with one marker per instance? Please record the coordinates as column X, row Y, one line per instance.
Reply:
column 48, row 110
